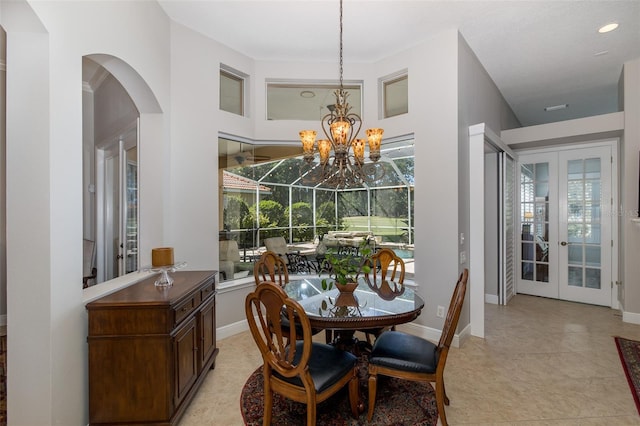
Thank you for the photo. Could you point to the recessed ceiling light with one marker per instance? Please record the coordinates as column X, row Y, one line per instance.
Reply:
column 307, row 94
column 556, row 107
column 609, row 27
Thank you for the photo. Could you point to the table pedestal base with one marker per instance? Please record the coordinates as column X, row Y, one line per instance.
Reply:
column 346, row 340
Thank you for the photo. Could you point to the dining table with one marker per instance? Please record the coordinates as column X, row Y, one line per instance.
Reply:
column 373, row 305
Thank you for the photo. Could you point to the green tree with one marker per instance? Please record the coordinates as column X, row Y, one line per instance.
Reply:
column 274, row 214
column 235, row 213
column 301, row 220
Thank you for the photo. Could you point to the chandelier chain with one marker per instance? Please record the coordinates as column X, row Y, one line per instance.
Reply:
column 341, row 65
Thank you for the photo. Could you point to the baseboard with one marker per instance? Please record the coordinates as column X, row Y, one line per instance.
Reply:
column 433, row 334
column 231, row 329
column 631, row 317
column 491, row 298
column 428, row 333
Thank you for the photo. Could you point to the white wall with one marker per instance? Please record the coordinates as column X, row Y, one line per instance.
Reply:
column 630, row 275
column 479, row 101
column 46, row 316
column 3, row 181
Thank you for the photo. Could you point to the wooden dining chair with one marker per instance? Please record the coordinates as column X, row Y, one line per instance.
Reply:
column 410, row 357
column 385, row 267
column 304, row 371
column 271, row 267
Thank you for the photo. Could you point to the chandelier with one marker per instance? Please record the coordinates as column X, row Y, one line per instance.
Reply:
column 342, row 154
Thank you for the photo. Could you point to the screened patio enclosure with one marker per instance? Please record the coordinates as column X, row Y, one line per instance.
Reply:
column 267, row 197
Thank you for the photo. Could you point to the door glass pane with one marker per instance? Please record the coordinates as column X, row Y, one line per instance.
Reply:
column 534, row 208
column 592, row 278
column 527, row 271
column 542, row 172
column 583, row 217
column 592, row 255
column 575, row 169
column 592, row 168
column 592, row 234
column 575, row 255
column 592, row 212
column 575, row 276
column 542, row 272
column 542, row 189
column 132, row 211
column 575, row 232
column 592, row 190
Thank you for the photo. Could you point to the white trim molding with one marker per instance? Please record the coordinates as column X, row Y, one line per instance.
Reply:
column 428, row 333
column 231, row 329
column 631, row 317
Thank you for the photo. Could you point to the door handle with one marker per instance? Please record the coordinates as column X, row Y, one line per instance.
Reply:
column 564, row 243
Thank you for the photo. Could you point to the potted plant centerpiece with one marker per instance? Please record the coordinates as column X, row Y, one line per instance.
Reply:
column 346, row 268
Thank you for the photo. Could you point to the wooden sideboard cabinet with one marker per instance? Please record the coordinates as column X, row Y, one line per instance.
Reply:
column 150, row 349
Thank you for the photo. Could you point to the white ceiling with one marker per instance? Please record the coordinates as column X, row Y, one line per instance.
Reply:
column 539, row 53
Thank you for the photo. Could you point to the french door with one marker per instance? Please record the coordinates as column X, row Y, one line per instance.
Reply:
column 566, row 241
column 117, row 209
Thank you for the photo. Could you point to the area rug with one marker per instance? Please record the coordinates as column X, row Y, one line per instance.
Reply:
column 629, row 351
column 398, row 403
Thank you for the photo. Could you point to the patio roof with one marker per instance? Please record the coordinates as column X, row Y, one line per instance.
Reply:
column 235, row 183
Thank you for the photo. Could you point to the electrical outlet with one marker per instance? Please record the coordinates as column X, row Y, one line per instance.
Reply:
column 463, row 257
column 440, row 312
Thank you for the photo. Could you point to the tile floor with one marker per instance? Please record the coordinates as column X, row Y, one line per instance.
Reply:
column 543, row 362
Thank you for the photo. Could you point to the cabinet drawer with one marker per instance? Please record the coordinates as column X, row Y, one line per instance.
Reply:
column 208, row 290
column 185, row 308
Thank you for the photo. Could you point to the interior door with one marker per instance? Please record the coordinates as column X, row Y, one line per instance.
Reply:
column 585, row 225
column 566, row 232
column 538, row 225
column 117, row 205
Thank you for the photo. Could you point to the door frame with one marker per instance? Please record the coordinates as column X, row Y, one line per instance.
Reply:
column 614, row 145
column 479, row 135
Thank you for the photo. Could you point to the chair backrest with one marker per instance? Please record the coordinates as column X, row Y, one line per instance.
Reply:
column 229, row 251
column 266, row 307
column 270, row 267
column 386, row 265
column 277, row 245
column 453, row 314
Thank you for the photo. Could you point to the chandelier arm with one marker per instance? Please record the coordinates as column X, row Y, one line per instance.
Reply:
column 326, row 123
column 356, row 124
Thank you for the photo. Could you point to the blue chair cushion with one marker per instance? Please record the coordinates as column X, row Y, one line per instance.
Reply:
column 327, row 365
column 402, row 351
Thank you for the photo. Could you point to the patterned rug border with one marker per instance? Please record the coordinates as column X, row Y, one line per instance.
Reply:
column 629, row 352
column 398, row 403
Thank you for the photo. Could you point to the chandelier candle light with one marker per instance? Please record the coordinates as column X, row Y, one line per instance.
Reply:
column 341, row 127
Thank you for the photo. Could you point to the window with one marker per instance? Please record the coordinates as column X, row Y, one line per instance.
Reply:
column 395, row 95
column 264, row 194
column 232, row 93
column 307, row 101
